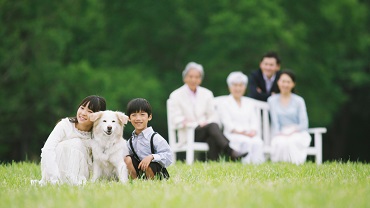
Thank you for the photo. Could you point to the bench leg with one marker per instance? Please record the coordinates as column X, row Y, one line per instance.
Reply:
column 318, row 145
column 189, row 156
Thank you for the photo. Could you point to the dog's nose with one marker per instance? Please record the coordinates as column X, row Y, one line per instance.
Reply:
column 109, row 128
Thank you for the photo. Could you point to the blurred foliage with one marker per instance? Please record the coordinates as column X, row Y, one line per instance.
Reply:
column 53, row 54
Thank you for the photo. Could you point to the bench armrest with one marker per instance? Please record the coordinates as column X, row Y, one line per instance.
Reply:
column 317, row 132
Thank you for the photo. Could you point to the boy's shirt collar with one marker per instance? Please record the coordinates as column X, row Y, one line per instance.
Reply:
column 146, row 132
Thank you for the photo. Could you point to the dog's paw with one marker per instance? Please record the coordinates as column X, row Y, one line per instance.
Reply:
column 123, row 179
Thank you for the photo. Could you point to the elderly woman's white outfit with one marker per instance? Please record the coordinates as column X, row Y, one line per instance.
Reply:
column 241, row 118
column 64, row 157
column 285, row 120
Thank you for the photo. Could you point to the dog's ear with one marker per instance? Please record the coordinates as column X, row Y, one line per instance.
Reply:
column 95, row 116
column 122, row 117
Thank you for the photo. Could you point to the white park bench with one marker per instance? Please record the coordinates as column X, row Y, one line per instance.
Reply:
column 265, row 133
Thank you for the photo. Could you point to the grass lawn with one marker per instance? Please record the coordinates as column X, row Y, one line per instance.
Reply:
column 213, row 184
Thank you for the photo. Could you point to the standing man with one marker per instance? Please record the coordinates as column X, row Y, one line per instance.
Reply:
column 263, row 82
column 193, row 105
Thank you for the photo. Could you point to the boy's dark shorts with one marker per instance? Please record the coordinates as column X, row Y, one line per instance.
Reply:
column 159, row 171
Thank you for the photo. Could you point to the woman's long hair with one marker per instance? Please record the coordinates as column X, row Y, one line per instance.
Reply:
column 96, row 103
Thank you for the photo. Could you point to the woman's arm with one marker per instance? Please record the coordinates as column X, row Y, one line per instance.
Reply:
column 302, row 115
column 48, row 155
column 225, row 117
column 253, row 118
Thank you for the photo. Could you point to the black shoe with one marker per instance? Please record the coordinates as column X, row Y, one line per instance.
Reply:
column 237, row 155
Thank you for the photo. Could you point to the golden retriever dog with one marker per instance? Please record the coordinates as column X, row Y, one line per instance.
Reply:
column 108, row 146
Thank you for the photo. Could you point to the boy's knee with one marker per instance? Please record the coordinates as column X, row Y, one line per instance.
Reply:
column 128, row 161
column 149, row 173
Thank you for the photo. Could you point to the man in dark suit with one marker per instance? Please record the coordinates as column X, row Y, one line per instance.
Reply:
column 263, row 82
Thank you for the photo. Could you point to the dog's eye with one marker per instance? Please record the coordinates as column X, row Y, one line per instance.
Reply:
column 104, row 120
column 113, row 121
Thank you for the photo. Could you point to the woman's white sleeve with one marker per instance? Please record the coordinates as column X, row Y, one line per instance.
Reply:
column 49, row 167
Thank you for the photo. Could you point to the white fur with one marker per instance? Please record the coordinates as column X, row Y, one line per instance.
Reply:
column 108, row 146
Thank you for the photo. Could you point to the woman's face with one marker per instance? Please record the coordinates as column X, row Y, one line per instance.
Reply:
column 237, row 90
column 193, row 79
column 285, row 84
column 83, row 113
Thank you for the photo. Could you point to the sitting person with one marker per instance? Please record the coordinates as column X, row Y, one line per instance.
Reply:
column 193, row 105
column 150, row 153
column 64, row 157
column 289, row 122
column 240, row 121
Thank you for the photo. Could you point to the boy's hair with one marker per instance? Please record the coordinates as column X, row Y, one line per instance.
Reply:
column 138, row 104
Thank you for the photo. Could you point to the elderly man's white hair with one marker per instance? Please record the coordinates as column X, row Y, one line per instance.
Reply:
column 193, row 65
column 236, row 78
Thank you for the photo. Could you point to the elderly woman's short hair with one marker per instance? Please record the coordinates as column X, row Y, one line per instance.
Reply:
column 236, row 78
column 193, row 65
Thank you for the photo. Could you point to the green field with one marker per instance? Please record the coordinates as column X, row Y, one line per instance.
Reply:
column 214, row 184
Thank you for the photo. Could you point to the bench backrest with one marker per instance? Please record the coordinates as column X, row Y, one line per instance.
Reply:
column 171, row 127
column 262, row 109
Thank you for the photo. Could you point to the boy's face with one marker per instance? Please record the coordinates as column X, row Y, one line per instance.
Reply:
column 140, row 121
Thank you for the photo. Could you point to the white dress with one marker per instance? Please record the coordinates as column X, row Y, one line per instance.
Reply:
column 286, row 119
column 64, row 157
column 292, row 148
column 241, row 118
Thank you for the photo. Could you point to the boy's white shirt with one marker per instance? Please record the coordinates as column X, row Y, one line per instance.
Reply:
column 141, row 145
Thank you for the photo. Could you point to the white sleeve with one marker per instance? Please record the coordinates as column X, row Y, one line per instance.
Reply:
column 211, row 114
column 225, row 116
column 302, row 115
column 177, row 115
column 49, row 165
column 163, row 153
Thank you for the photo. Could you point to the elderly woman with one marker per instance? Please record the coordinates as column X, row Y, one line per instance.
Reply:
column 290, row 123
column 193, row 106
column 239, row 119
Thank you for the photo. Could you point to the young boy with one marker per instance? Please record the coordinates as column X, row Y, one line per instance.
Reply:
column 150, row 153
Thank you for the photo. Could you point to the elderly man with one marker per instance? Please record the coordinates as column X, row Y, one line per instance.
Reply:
column 193, row 105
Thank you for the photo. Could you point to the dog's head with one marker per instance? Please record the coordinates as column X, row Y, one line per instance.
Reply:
column 108, row 122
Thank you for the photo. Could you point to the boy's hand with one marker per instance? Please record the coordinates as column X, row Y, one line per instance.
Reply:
column 144, row 164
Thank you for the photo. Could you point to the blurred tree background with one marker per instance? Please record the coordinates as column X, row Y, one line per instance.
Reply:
column 55, row 53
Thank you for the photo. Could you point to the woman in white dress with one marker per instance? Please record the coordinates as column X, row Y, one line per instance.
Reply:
column 289, row 122
column 64, row 157
column 239, row 119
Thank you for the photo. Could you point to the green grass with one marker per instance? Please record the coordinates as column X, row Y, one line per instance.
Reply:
column 214, row 184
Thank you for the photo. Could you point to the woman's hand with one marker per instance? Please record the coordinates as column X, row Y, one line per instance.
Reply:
column 250, row 133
